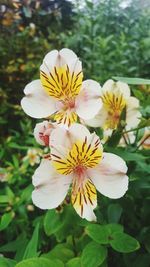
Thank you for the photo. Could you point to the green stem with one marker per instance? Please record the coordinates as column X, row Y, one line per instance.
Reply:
column 135, row 129
column 74, row 245
column 143, row 141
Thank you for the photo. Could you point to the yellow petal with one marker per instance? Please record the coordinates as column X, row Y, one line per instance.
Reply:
column 84, row 199
column 61, row 83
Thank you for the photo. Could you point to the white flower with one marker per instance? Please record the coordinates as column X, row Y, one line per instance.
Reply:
column 60, row 90
column 127, row 138
column 78, row 159
column 3, row 175
column 145, row 140
column 33, row 156
column 115, row 97
column 42, row 132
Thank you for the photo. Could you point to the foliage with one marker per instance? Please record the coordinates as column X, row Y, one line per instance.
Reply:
column 111, row 41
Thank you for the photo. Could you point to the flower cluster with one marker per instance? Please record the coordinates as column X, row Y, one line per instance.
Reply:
column 76, row 164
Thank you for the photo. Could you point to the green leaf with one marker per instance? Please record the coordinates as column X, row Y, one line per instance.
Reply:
column 4, row 262
column 138, row 94
column 132, row 80
column 114, row 139
column 98, row 233
column 6, row 220
column 4, row 199
column 26, row 194
column 17, row 246
column 102, row 233
column 40, row 262
column 93, row 255
column 31, row 249
column 75, row 262
column 124, row 243
column 126, row 155
column 10, row 193
column 60, row 252
column 14, row 245
column 52, row 222
column 114, row 213
column 114, row 228
column 70, row 221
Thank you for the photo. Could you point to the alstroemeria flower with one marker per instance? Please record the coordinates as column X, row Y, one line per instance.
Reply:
column 60, row 90
column 115, row 97
column 78, row 159
column 127, row 138
column 42, row 132
column 33, row 156
column 145, row 140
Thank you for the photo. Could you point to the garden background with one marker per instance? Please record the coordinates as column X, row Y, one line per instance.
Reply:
column 112, row 38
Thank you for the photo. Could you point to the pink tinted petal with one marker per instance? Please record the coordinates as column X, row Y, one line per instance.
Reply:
column 60, row 58
column 133, row 116
column 37, row 103
column 49, row 61
column 112, row 86
column 99, row 120
column 71, row 59
column 67, row 137
column 109, row 177
column 50, row 187
column 88, row 102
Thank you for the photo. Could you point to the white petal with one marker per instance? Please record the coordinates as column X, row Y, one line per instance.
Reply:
column 99, row 120
column 112, row 86
column 88, row 102
column 50, row 187
column 133, row 102
column 130, row 137
column 71, row 59
column 133, row 114
column 109, row 177
column 133, row 119
column 67, row 137
column 124, row 88
column 62, row 140
column 67, row 54
column 60, row 58
column 106, row 134
column 88, row 213
column 108, row 85
column 49, row 61
column 37, row 103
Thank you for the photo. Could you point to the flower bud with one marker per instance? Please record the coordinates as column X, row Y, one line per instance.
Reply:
column 42, row 132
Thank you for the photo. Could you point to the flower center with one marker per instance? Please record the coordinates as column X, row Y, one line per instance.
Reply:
column 68, row 104
column 80, row 170
column 82, row 156
column 71, row 103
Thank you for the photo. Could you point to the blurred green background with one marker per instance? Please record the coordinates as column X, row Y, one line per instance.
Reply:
column 112, row 38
